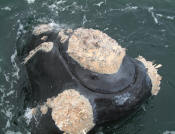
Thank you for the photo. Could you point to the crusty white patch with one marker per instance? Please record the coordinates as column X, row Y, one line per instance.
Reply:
column 46, row 47
column 95, row 50
column 29, row 113
column 153, row 74
column 71, row 112
column 44, row 109
column 63, row 35
column 44, row 38
column 42, row 29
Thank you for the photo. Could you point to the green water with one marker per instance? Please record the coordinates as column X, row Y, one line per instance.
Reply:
column 144, row 27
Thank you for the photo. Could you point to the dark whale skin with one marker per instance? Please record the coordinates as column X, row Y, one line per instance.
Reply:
column 50, row 73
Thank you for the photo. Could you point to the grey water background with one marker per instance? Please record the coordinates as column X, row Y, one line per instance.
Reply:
column 143, row 27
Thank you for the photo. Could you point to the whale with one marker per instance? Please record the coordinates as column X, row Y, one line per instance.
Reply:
column 82, row 78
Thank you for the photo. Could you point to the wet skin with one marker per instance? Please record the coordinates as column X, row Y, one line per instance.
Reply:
column 112, row 96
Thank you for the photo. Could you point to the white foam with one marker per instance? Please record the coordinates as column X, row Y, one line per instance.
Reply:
column 6, row 8
column 106, row 29
column 20, row 29
column 143, row 107
column 99, row 4
column 126, row 9
column 2, row 98
column 170, row 17
column 7, row 124
column 56, row 27
column 169, row 132
column 166, row 46
column 163, row 30
column 159, row 15
column 150, row 9
column 28, row 115
column 16, row 68
column 84, row 20
column 12, row 132
column 47, row 27
column 30, row 1
column 129, row 8
column 53, row 7
column 10, row 93
column 166, row 17
column 2, row 89
column 60, row 2
column 57, row 6
column 8, row 113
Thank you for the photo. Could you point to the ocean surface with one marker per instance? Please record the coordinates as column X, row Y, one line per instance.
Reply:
column 143, row 27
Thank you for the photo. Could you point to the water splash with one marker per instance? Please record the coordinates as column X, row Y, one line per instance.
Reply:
column 20, row 29
column 150, row 9
column 28, row 115
column 15, row 73
column 99, row 4
column 12, row 132
column 6, row 8
column 129, row 8
column 169, row 132
column 84, row 20
column 30, row 1
column 170, row 17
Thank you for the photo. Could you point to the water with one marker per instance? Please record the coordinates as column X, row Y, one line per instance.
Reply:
column 144, row 27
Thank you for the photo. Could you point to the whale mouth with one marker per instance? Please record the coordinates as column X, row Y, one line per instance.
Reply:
column 107, row 80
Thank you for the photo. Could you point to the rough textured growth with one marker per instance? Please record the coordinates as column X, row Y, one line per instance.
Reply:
column 63, row 34
column 46, row 47
column 153, row 74
column 71, row 112
column 44, row 109
column 95, row 50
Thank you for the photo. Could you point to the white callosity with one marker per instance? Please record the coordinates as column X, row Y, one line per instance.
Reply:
column 71, row 112
column 46, row 47
column 94, row 50
column 64, row 35
column 169, row 132
column 44, row 109
column 153, row 74
column 44, row 38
